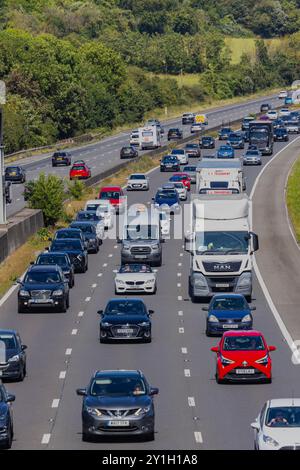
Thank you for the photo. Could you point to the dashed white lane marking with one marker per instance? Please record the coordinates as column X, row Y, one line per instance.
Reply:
column 80, row 314
column 74, row 332
column 18, row 199
column 68, row 351
column 46, row 438
column 55, row 403
column 178, row 284
column 180, row 313
column 179, row 297
column 179, row 264
column 115, row 247
column 99, row 275
column 187, row 372
column 155, row 270
column 181, row 330
column 184, row 350
column 179, row 274
column 104, row 265
column 87, row 299
column 181, row 254
column 93, row 286
column 198, row 437
column 110, row 255
column 115, row 270
column 191, row 401
column 62, row 374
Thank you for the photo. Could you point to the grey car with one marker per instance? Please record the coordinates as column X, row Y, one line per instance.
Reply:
column 15, row 355
column 117, row 403
column 252, row 157
column 191, row 171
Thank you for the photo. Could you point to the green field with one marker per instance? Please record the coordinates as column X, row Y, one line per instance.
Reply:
column 238, row 46
column 293, row 198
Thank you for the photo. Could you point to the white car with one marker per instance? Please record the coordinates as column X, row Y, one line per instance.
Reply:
column 135, row 278
column 137, row 182
column 282, row 94
column 272, row 114
column 181, row 189
column 165, row 223
column 134, row 137
column 196, row 127
column 181, row 155
column 277, row 427
column 284, row 112
column 103, row 208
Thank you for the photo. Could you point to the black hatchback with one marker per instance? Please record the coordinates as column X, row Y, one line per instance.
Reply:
column 6, row 418
column 43, row 287
column 175, row 134
column 125, row 319
column 15, row 174
column 128, row 152
column 75, row 249
column 15, row 355
column 62, row 260
column 281, row 134
column 207, row 142
column 61, row 158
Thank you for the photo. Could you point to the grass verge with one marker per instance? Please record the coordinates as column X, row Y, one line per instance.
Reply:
column 293, row 198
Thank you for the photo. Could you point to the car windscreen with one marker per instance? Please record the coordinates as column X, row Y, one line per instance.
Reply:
column 117, row 386
column 60, row 260
column 141, row 232
column 283, row 417
column 12, row 169
column 67, row 234
column 137, row 177
column 190, row 168
column 127, row 307
column 243, row 343
column 229, row 242
column 191, row 146
column 166, row 195
column 86, row 228
column 78, row 167
column 126, row 149
column 110, row 195
column 229, row 303
column 46, row 277
column 9, row 340
column 252, row 153
column 176, row 178
column 87, row 216
column 170, row 160
column 135, row 268
column 177, row 152
column 73, row 245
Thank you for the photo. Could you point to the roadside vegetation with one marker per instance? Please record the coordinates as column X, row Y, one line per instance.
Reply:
column 293, row 198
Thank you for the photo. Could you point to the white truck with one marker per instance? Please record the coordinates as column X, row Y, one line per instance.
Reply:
column 221, row 244
column 149, row 137
column 220, row 177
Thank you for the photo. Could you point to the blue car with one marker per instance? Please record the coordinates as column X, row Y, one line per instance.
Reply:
column 288, row 100
column 225, row 151
column 236, row 140
column 228, row 312
column 167, row 199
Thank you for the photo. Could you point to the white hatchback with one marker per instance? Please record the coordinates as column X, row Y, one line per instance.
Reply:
column 181, row 155
column 272, row 114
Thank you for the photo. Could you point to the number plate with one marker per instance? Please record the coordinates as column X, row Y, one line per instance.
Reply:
column 118, row 423
column 222, row 285
column 244, row 371
column 140, row 256
column 40, row 301
column 126, row 331
column 228, row 325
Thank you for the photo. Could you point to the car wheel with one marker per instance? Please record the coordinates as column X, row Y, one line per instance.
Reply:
column 268, row 381
column 249, row 298
column 53, row 165
column 68, row 301
column 63, row 307
column 208, row 334
column 21, row 375
column 86, row 437
column 21, row 309
column 150, row 436
column 8, row 442
column 218, row 380
column 148, row 340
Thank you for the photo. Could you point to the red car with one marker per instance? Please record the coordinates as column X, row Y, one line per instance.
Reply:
column 80, row 171
column 184, row 177
column 115, row 195
column 243, row 356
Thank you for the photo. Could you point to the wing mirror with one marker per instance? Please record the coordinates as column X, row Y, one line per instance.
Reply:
column 215, row 349
column 81, row 392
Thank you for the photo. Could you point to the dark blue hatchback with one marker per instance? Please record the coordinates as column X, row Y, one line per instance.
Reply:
column 228, row 312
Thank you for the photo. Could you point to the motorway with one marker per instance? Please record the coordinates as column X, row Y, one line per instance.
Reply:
column 192, row 411
column 105, row 154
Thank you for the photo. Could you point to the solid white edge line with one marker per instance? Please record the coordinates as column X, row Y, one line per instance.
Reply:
column 55, row 403
column 8, row 294
column 46, row 438
column 287, row 336
column 198, row 437
column 62, row 374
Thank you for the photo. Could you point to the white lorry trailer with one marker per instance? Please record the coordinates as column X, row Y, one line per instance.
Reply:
column 221, row 245
column 149, row 137
column 220, row 177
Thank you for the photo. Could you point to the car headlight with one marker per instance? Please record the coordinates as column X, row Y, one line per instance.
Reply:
column 225, row 361
column 106, row 324
column 245, row 280
column 246, row 318
column 200, row 281
column 93, row 411
column 144, row 323
column 269, row 440
column 142, row 411
column 119, row 281
column 126, row 247
column 213, row 319
column 14, row 358
column 150, row 281
column 80, row 257
column 155, row 247
column 24, row 293
column 57, row 292
column 264, row 360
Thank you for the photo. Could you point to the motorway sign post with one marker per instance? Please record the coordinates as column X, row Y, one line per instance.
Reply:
column 2, row 181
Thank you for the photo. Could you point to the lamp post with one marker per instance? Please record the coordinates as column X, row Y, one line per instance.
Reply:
column 2, row 179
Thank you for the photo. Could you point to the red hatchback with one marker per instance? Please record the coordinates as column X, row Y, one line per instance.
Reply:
column 184, row 178
column 80, row 171
column 243, row 356
column 115, row 195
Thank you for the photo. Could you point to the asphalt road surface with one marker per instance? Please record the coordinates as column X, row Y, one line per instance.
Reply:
column 192, row 411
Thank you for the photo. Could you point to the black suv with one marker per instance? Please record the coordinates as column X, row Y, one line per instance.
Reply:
column 15, row 174
column 125, row 319
column 15, row 355
column 6, row 418
column 75, row 249
column 281, row 134
column 61, row 158
column 117, row 403
column 128, row 152
column 63, row 233
column 62, row 260
column 43, row 286
column 89, row 233
column 207, row 142
column 175, row 134
column 170, row 163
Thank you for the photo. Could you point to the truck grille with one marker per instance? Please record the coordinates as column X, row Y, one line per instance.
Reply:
column 214, row 267
column 140, row 250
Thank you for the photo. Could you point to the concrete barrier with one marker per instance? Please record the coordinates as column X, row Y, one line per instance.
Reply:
column 20, row 227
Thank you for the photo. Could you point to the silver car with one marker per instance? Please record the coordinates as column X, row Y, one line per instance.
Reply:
column 252, row 157
column 135, row 278
column 138, row 182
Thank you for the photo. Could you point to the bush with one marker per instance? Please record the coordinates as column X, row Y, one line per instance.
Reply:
column 76, row 189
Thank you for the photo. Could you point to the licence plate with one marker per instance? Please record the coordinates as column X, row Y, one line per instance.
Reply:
column 222, row 285
column 125, row 330
column 13, row 173
column 228, row 325
column 244, row 371
column 118, row 423
column 140, row 256
column 39, row 301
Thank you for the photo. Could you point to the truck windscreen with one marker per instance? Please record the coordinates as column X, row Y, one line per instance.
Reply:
column 210, row 243
column 261, row 135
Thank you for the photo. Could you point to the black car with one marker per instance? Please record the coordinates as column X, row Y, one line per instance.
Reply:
column 89, row 233
column 43, row 286
column 61, row 158
column 281, row 134
column 278, row 123
column 15, row 174
column 207, row 142
column 188, row 118
column 170, row 163
column 125, row 319
column 193, row 150
column 62, row 260
column 75, row 249
column 265, row 107
column 128, row 152
column 63, row 233
column 117, row 403
column 15, row 355
column 224, row 133
column 175, row 134
column 6, row 418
